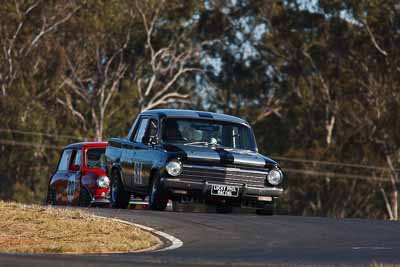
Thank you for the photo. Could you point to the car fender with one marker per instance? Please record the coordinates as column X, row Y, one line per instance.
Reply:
column 87, row 189
column 116, row 167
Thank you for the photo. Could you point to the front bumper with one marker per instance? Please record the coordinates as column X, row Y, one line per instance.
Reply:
column 204, row 188
column 101, row 197
column 98, row 201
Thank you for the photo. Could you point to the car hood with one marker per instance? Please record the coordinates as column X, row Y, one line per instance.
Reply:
column 221, row 155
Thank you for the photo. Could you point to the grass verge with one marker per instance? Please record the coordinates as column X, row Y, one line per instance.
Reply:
column 35, row 229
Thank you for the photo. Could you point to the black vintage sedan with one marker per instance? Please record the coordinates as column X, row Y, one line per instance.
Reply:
column 185, row 154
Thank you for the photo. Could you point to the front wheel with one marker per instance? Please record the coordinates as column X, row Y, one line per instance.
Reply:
column 158, row 199
column 119, row 196
column 224, row 209
column 267, row 211
column 84, row 198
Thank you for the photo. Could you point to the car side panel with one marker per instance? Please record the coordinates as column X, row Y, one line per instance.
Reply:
column 59, row 184
column 74, row 180
column 135, row 161
column 113, row 154
column 127, row 164
column 148, row 159
column 73, row 185
column 118, row 155
column 142, row 163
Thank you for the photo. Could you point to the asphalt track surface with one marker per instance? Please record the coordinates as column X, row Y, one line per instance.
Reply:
column 211, row 239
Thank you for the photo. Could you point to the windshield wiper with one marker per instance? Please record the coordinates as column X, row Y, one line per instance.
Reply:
column 198, row 143
column 205, row 144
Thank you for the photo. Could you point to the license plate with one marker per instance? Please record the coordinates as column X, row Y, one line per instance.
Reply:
column 268, row 199
column 224, row 190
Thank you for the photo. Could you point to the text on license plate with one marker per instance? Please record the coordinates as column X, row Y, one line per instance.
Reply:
column 224, row 190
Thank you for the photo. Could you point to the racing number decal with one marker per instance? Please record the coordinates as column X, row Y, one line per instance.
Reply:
column 71, row 186
column 137, row 173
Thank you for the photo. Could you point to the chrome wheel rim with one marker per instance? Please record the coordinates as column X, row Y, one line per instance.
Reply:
column 153, row 191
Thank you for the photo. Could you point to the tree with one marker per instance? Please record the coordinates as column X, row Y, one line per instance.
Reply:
column 17, row 48
column 95, row 88
column 166, row 60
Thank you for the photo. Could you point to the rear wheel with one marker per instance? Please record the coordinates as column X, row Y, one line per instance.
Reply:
column 51, row 197
column 158, row 198
column 119, row 196
column 84, row 198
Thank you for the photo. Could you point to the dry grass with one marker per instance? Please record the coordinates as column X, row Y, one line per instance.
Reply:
column 35, row 229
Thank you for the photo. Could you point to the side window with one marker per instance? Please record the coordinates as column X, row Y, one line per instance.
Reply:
column 153, row 126
column 75, row 158
column 65, row 160
column 78, row 158
column 141, row 130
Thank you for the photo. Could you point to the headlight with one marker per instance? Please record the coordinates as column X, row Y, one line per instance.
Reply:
column 103, row 181
column 174, row 167
column 275, row 177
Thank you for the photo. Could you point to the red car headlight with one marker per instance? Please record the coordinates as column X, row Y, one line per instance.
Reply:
column 103, row 182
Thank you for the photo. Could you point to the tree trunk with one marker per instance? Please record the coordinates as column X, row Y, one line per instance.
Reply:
column 329, row 125
column 395, row 202
column 394, row 180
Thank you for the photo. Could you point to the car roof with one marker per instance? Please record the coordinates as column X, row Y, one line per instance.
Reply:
column 86, row 144
column 194, row 114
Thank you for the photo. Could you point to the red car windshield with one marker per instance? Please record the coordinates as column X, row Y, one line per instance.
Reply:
column 95, row 157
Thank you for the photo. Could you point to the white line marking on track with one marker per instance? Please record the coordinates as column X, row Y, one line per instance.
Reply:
column 175, row 242
column 371, row 248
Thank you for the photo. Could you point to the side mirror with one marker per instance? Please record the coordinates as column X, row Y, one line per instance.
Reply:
column 74, row 167
column 150, row 140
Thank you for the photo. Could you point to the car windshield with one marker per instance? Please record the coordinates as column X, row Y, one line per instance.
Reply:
column 95, row 157
column 207, row 132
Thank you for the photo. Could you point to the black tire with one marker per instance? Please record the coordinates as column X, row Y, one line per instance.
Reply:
column 224, row 209
column 158, row 199
column 266, row 212
column 51, row 197
column 268, row 209
column 119, row 196
column 84, row 198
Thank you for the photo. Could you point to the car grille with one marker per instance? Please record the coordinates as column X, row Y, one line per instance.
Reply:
column 225, row 175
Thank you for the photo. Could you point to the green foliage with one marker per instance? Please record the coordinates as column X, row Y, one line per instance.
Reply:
column 316, row 79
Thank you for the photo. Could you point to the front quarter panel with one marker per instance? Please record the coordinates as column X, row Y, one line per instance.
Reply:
column 89, row 181
column 113, row 154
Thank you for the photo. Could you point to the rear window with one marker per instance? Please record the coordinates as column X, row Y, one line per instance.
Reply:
column 95, row 157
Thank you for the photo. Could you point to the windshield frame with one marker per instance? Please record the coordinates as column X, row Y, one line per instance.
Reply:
column 162, row 121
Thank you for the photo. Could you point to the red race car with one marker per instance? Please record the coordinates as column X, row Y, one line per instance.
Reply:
column 80, row 178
